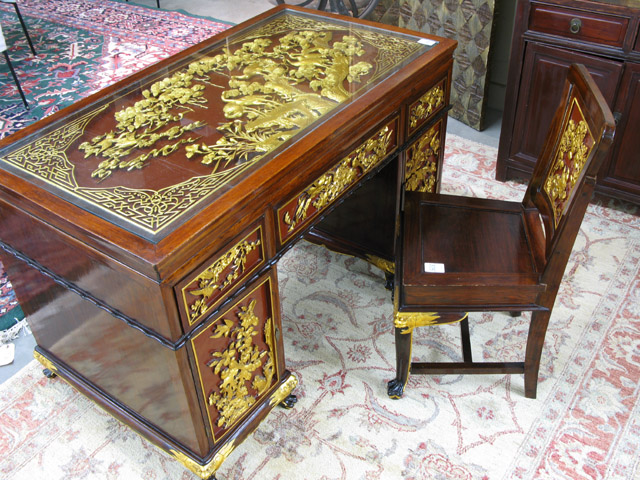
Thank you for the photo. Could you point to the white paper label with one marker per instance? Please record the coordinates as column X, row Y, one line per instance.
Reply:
column 434, row 267
column 427, row 41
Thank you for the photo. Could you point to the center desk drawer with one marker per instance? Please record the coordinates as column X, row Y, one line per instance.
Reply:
column 213, row 281
column 579, row 25
column 299, row 211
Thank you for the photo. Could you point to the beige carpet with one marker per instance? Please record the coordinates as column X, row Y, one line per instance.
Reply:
column 585, row 423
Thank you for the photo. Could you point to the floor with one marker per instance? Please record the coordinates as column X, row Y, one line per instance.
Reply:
column 236, row 12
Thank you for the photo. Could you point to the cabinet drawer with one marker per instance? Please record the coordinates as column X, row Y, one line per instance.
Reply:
column 579, row 25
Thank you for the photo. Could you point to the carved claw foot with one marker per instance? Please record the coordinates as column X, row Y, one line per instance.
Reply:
column 49, row 373
column 395, row 389
column 289, row 402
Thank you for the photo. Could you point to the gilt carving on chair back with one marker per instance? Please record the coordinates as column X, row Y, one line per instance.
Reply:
column 564, row 178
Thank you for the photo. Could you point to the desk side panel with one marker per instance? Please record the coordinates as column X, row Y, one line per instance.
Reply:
column 136, row 296
column 130, row 369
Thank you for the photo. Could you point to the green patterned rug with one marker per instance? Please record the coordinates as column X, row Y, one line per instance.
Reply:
column 83, row 46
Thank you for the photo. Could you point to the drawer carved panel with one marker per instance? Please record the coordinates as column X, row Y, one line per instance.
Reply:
column 427, row 106
column 423, row 162
column 300, row 210
column 210, row 285
column 237, row 359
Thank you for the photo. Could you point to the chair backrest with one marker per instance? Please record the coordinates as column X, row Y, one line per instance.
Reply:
column 565, row 174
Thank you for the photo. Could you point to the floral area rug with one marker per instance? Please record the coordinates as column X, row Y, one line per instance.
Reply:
column 338, row 333
column 83, row 46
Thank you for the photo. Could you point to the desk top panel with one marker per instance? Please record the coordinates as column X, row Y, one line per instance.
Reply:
column 151, row 155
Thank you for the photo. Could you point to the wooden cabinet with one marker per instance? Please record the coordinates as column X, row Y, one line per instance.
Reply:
column 549, row 36
column 141, row 226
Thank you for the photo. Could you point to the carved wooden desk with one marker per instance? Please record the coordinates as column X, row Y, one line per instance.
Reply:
column 141, row 227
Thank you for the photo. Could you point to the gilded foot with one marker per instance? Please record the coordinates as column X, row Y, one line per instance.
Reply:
column 289, row 402
column 395, row 389
column 49, row 373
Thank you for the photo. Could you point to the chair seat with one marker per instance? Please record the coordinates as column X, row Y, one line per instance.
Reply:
column 462, row 253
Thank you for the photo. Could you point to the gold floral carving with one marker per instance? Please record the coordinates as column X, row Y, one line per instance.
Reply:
column 239, row 364
column 426, row 105
column 209, row 280
column 421, row 170
column 205, row 471
column 266, row 104
column 284, row 391
column 270, row 88
column 574, row 149
column 333, row 183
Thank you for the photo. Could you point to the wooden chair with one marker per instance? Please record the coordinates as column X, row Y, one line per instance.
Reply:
column 459, row 254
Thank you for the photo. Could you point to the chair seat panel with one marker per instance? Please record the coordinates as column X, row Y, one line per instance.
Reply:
column 476, row 238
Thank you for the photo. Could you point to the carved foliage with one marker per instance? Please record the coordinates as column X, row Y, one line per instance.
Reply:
column 201, row 293
column 246, row 372
column 575, row 146
column 428, row 104
column 336, row 181
column 421, row 169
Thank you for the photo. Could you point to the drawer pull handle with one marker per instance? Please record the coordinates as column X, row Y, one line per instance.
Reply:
column 575, row 25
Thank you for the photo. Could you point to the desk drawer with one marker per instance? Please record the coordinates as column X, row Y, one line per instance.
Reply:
column 427, row 106
column 213, row 280
column 299, row 211
column 579, row 25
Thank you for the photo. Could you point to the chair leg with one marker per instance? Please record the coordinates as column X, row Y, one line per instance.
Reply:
column 466, row 341
column 535, row 343
column 24, row 29
column 15, row 79
column 395, row 388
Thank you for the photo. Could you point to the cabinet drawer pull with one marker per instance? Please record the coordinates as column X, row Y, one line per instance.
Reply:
column 575, row 25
